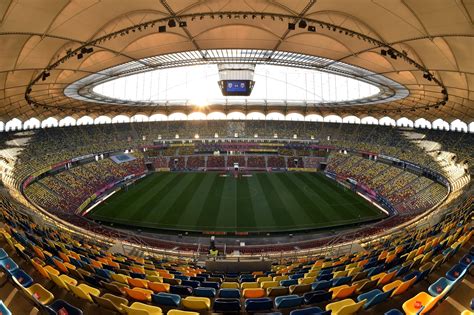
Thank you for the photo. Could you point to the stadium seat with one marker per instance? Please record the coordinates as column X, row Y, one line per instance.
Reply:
column 347, row 306
column 310, row 311
column 180, row 312
column 39, row 294
column 342, row 291
column 181, row 290
column 253, row 293
column 196, row 303
column 8, row 265
column 288, row 301
column 62, row 280
column 139, row 294
column 457, row 271
column 229, row 293
column 398, row 286
column 204, row 292
column 438, row 286
column 230, row 285
column 319, row 296
column 137, row 283
column 222, row 305
column 159, row 287
column 83, row 291
column 138, row 308
column 373, row 297
column 321, row 285
column 277, row 291
column 22, row 277
column 110, row 301
column 166, row 299
column 422, row 303
column 258, row 304
column 3, row 309
column 300, row 288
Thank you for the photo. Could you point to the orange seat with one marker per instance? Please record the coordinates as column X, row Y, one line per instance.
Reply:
column 139, row 294
column 343, row 291
column 254, row 293
column 159, row 287
column 138, row 283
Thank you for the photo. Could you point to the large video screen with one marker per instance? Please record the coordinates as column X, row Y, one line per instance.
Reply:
column 236, row 87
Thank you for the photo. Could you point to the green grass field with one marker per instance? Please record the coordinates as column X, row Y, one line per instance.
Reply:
column 269, row 202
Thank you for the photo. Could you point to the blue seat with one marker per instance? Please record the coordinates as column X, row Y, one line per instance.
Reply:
column 437, row 287
column 181, row 277
column 340, row 281
column 166, row 299
column 3, row 254
column 200, row 279
column 456, row 272
column 258, row 304
column 229, row 293
column 287, row 301
column 287, row 283
column 321, row 285
column 319, row 296
column 403, row 270
column 4, row 310
column 296, row 276
column 393, row 311
column 323, row 277
column 137, row 275
column 210, row 284
column 103, row 273
column 22, row 277
column 204, row 292
column 191, row 283
column 8, row 264
column 374, row 297
column 466, row 260
column 181, row 290
column 59, row 306
column 226, row 305
column 310, row 311
column 374, row 270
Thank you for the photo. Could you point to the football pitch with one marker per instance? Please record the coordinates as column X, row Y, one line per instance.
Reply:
column 259, row 202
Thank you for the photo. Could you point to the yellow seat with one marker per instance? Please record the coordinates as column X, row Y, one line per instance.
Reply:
column 342, row 291
column 269, row 284
column 110, row 301
column 62, row 281
column 38, row 293
column 230, row 285
column 280, row 278
column 307, row 280
column 196, row 303
column 120, row 277
column 138, row 308
column 83, row 291
column 262, row 279
column 253, row 293
column 347, row 306
column 250, row 285
column 386, row 278
column 179, row 312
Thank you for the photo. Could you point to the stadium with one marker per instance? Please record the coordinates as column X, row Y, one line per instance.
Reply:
column 191, row 157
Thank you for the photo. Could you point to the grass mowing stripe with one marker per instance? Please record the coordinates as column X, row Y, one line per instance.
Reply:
column 332, row 196
column 208, row 216
column 245, row 210
column 186, row 196
column 351, row 204
column 326, row 210
column 142, row 213
column 308, row 206
column 277, row 207
column 119, row 206
column 190, row 215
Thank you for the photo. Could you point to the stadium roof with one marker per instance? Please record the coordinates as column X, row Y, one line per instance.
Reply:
column 47, row 45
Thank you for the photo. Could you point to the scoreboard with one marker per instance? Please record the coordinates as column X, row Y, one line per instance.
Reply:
column 236, row 87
